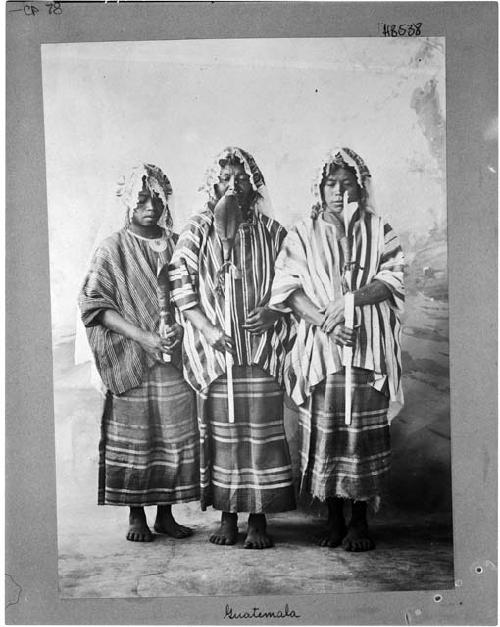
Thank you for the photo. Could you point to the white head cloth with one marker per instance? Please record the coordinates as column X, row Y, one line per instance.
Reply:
column 261, row 203
column 342, row 156
column 147, row 178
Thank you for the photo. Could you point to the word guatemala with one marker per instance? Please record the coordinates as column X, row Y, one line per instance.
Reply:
column 256, row 613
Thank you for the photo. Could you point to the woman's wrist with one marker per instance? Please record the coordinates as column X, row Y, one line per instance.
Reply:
column 207, row 327
column 313, row 317
column 374, row 292
column 113, row 321
column 274, row 312
column 141, row 335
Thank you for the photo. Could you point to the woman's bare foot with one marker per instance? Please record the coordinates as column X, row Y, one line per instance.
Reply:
column 166, row 524
column 227, row 533
column 138, row 530
column 335, row 530
column 333, row 535
column 257, row 538
column 358, row 537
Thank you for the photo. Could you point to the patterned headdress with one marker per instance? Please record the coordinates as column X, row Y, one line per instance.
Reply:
column 346, row 158
column 261, row 201
column 150, row 179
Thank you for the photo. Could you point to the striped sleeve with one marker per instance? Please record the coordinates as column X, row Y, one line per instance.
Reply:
column 98, row 292
column 183, row 267
column 390, row 271
column 280, row 237
column 288, row 271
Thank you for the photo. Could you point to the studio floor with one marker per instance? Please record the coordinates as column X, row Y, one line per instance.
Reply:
column 95, row 560
column 414, row 552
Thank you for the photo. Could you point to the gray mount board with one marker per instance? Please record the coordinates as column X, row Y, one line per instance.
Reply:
column 470, row 31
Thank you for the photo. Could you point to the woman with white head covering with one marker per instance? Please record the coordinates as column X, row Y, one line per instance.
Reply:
column 245, row 464
column 343, row 246
column 149, row 443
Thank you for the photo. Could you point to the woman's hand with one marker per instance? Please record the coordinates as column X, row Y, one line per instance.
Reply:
column 172, row 334
column 260, row 319
column 213, row 333
column 217, row 339
column 153, row 344
column 343, row 336
column 334, row 314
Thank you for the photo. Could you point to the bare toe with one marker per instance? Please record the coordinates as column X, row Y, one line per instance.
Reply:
column 227, row 533
column 135, row 535
column 187, row 530
column 138, row 530
column 221, row 537
column 258, row 543
column 328, row 540
column 257, row 537
column 358, row 539
column 332, row 535
column 172, row 529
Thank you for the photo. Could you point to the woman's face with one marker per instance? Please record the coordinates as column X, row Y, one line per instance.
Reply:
column 335, row 186
column 148, row 210
column 233, row 178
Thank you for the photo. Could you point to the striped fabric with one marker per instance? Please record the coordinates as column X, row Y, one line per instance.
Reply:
column 123, row 277
column 194, row 278
column 148, row 453
column 337, row 460
column 245, row 466
column 311, row 258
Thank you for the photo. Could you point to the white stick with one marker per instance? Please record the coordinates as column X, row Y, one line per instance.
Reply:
column 349, row 322
column 229, row 357
column 349, row 318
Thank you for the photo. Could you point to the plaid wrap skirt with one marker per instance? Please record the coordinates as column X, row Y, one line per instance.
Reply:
column 339, row 460
column 245, row 466
column 149, row 448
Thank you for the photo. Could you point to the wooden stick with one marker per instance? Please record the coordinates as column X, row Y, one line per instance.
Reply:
column 165, row 321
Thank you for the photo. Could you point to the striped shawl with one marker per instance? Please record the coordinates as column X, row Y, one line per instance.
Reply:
column 311, row 258
column 194, row 272
column 122, row 277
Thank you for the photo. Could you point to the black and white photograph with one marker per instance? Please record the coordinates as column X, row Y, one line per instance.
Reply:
column 250, row 349
column 250, row 315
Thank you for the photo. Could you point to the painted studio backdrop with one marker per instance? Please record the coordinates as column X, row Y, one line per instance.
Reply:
column 176, row 104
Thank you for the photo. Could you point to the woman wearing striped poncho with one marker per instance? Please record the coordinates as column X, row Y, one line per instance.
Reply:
column 245, row 465
column 148, row 453
column 343, row 461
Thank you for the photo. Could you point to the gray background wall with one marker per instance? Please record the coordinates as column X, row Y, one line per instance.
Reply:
column 287, row 101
